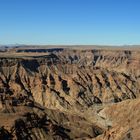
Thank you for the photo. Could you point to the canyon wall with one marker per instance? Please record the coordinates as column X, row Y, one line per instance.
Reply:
column 80, row 91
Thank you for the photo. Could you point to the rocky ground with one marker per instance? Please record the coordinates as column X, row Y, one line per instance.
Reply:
column 58, row 93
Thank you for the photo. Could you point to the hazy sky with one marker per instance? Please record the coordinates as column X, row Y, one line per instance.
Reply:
column 70, row 22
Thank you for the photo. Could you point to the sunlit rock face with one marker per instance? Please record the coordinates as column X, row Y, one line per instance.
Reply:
column 70, row 94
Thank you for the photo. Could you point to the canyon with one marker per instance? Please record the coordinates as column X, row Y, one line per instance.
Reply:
column 66, row 93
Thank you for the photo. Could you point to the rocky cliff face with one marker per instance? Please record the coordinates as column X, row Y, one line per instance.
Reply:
column 70, row 94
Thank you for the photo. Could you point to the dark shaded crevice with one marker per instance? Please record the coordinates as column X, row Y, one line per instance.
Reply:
column 31, row 65
column 98, row 81
column 65, row 87
column 52, row 81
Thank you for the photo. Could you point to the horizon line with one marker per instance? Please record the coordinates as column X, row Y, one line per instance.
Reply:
column 28, row 44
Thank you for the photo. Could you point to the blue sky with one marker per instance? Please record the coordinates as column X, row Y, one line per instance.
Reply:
column 70, row 22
